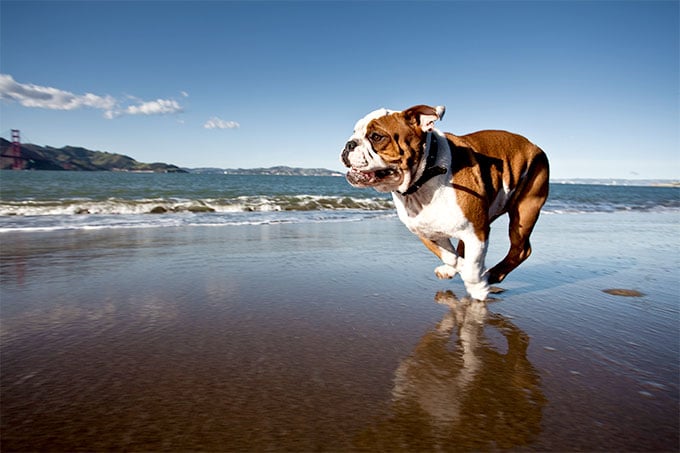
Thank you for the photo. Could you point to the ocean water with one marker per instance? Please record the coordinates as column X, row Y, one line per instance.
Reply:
column 44, row 201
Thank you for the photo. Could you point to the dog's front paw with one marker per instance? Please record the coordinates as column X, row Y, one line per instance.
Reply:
column 478, row 290
column 445, row 271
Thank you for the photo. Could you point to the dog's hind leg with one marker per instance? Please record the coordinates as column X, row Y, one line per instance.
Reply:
column 523, row 216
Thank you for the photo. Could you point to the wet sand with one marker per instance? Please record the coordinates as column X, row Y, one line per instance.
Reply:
column 338, row 337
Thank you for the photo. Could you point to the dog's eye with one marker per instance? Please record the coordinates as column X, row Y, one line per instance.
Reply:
column 375, row 137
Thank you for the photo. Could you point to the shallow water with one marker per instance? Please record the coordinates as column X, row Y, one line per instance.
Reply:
column 336, row 336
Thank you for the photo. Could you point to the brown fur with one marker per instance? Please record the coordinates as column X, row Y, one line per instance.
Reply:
column 402, row 147
column 482, row 163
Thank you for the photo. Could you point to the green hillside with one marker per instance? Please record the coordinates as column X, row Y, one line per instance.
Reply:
column 34, row 157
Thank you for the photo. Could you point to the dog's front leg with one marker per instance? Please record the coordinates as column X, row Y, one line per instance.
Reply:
column 472, row 270
column 447, row 254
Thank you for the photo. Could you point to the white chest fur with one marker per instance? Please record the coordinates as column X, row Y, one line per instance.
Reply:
column 433, row 211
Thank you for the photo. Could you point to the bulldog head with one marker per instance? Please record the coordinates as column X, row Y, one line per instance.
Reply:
column 387, row 147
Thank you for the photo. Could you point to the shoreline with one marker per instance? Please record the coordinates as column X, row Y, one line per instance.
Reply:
column 337, row 336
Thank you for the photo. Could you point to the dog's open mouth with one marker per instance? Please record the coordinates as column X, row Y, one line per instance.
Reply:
column 369, row 178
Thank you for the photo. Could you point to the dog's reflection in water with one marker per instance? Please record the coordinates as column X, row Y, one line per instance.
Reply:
column 468, row 385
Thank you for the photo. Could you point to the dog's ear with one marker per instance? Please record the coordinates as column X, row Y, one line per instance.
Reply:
column 424, row 116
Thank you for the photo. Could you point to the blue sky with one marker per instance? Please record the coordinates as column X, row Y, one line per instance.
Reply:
column 249, row 84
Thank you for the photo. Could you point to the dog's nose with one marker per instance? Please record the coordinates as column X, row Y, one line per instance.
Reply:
column 349, row 147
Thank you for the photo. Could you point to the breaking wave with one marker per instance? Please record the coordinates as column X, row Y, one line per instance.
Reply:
column 46, row 201
column 114, row 206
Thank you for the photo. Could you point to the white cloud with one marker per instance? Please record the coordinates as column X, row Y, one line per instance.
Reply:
column 37, row 96
column 157, row 107
column 30, row 95
column 217, row 123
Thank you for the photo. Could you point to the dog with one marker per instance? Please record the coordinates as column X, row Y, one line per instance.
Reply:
column 452, row 187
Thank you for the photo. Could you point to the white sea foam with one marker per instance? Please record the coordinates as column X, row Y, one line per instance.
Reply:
column 123, row 221
column 159, row 206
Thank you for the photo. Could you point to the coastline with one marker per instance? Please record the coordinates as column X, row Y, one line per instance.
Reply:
column 325, row 336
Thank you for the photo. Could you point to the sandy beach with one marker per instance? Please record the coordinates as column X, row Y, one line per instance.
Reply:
column 338, row 337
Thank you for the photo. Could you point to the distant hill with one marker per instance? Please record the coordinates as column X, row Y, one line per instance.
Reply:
column 73, row 158
column 619, row 182
column 34, row 157
column 278, row 171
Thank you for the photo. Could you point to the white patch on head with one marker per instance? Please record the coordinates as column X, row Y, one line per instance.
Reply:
column 363, row 157
column 362, row 124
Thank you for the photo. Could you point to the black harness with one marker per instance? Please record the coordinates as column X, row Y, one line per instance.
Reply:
column 431, row 168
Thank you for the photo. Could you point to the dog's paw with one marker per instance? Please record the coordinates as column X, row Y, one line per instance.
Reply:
column 445, row 271
column 479, row 290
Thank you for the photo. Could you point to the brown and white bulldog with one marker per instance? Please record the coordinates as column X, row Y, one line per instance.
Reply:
column 452, row 187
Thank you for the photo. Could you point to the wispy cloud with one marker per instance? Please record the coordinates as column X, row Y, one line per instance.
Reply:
column 157, row 107
column 36, row 96
column 30, row 95
column 217, row 123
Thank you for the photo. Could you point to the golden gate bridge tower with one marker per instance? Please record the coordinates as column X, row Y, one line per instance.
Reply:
column 14, row 151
